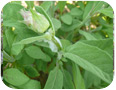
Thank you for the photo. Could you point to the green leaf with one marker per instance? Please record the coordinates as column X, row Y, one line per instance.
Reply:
column 91, row 8
column 49, row 52
column 107, row 11
column 4, row 42
column 30, row 40
column 65, row 43
column 24, row 33
column 67, row 19
column 46, row 5
column 75, row 24
column 67, row 80
column 15, row 77
column 90, row 79
column 42, row 11
column 56, row 23
column 31, row 84
column 16, row 49
column 109, row 32
column 31, row 71
column 88, row 10
column 10, row 37
column 104, row 44
column 17, row 2
column 87, row 35
column 81, row 4
column 42, row 44
column 76, row 12
column 30, row 4
column 36, row 53
column 55, row 79
column 77, row 77
column 41, row 65
column 92, row 59
column 11, row 12
column 61, row 5
column 25, row 59
column 7, row 57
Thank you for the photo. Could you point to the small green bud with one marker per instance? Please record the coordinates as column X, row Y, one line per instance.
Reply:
column 35, row 21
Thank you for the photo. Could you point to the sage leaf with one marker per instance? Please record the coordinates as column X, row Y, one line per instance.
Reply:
column 67, row 80
column 67, row 19
column 56, row 23
column 77, row 77
column 36, row 53
column 87, row 35
column 31, row 84
column 107, row 12
column 76, row 12
column 15, row 77
column 31, row 71
column 55, row 79
column 93, row 59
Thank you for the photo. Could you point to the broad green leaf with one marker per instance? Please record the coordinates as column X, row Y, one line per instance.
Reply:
column 31, row 84
column 7, row 57
column 98, row 35
column 30, row 4
column 25, row 59
column 16, row 49
column 36, row 53
column 24, row 33
column 88, row 10
column 10, row 37
column 75, row 24
column 46, row 5
column 91, row 8
column 42, row 11
column 56, row 23
column 90, row 79
column 61, row 5
column 87, row 35
column 11, row 12
column 65, row 43
column 55, row 79
column 17, row 2
column 76, row 12
column 92, row 59
column 15, row 77
column 17, row 25
column 107, row 11
column 41, row 65
column 30, row 40
column 77, row 77
column 31, row 71
column 104, row 44
column 67, row 19
column 67, row 80
column 49, row 52
column 42, row 44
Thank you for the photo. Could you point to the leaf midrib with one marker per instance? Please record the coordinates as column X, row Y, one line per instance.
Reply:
column 55, row 77
column 88, row 63
column 96, row 48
